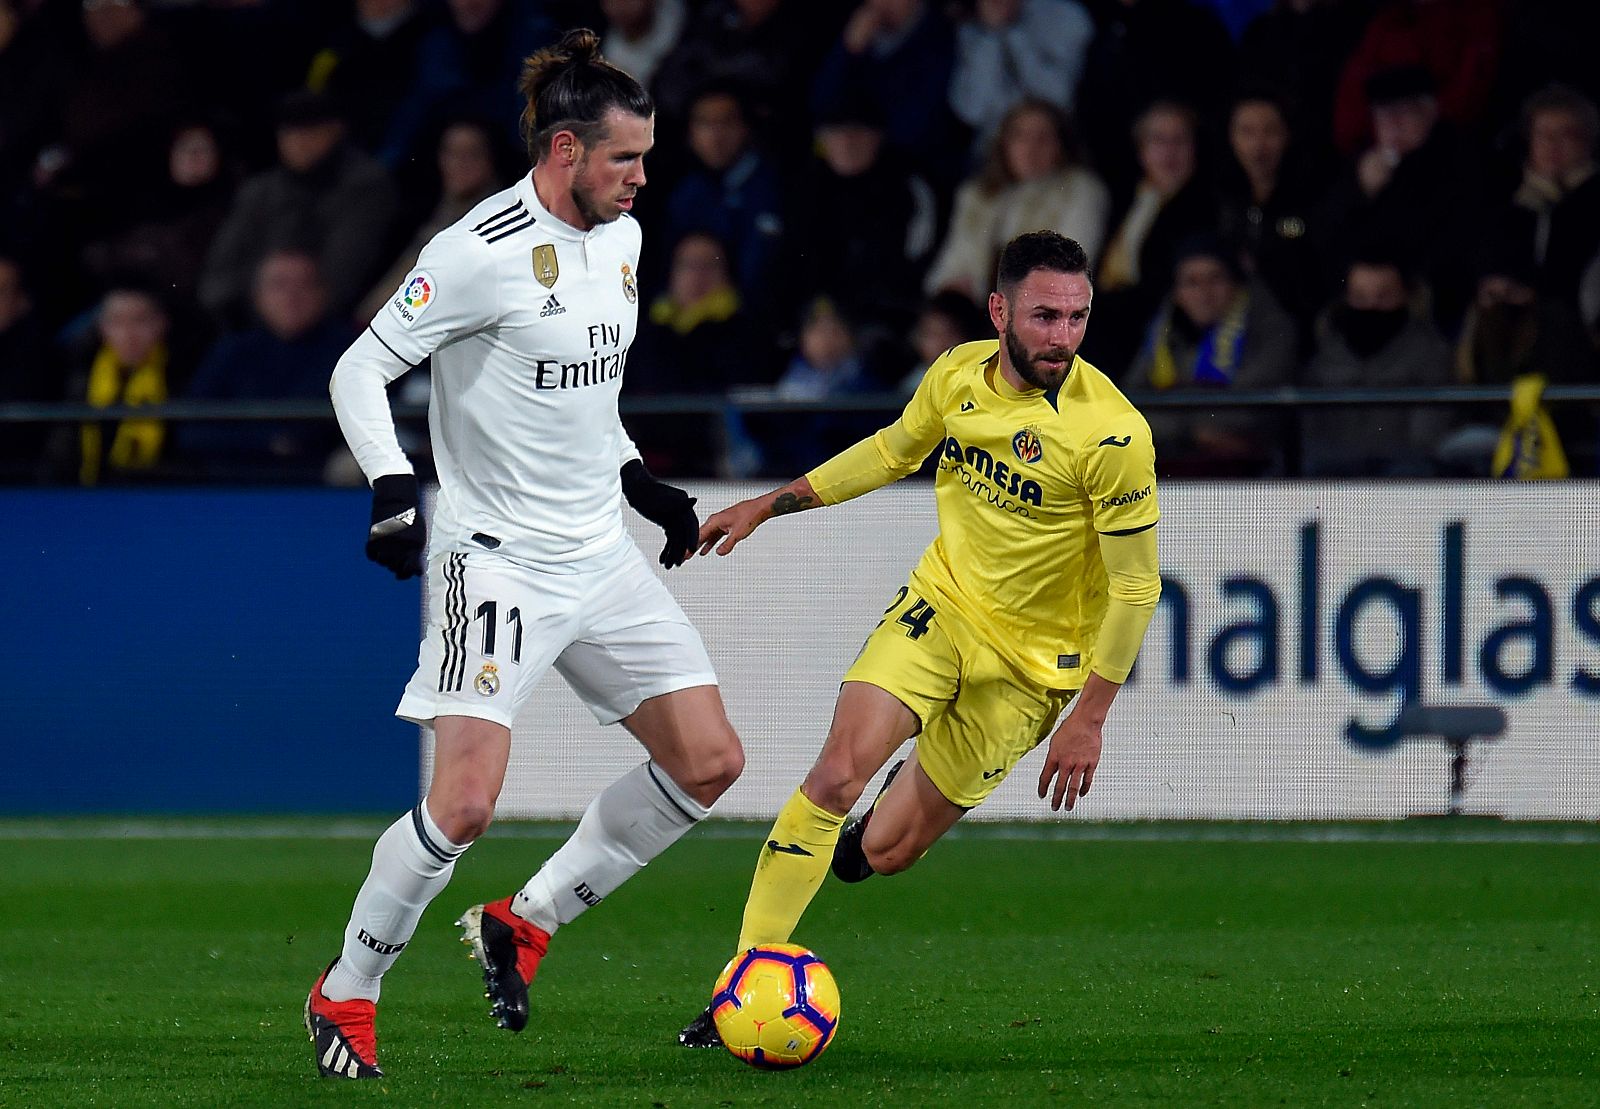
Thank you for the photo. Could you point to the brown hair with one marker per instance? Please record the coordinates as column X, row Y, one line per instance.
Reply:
column 570, row 87
column 995, row 174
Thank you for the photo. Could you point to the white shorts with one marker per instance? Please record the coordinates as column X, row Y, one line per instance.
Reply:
column 494, row 627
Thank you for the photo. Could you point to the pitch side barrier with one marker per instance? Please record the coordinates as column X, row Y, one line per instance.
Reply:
column 1296, row 620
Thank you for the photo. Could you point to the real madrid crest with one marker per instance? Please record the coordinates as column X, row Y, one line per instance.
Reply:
column 629, row 288
column 488, row 680
column 1026, row 445
column 545, row 267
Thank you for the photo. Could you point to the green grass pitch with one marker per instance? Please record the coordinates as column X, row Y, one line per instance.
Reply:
column 1213, row 965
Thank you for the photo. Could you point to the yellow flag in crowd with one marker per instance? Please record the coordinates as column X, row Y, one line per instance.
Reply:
column 1529, row 448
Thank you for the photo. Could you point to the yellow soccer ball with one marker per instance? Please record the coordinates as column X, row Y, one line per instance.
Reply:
column 776, row 1006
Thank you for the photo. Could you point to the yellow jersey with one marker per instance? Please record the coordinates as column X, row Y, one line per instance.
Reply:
column 1027, row 483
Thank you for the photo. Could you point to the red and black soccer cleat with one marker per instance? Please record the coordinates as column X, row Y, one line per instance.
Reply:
column 343, row 1034
column 508, row 949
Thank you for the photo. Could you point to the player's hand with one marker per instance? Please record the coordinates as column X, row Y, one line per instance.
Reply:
column 733, row 524
column 397, row 536
column 666, row 506
column 1071, row 759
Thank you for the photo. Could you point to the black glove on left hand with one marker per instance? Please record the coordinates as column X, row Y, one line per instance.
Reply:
column 397, row 538
column 665, row 505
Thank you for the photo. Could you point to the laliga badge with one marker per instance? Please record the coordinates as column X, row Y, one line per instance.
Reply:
column 629, row 288
column 488, row 680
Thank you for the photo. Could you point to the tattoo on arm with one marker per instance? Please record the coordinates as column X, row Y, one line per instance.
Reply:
column 791, row 502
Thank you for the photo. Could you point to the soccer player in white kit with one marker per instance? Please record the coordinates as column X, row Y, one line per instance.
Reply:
column 527, row 307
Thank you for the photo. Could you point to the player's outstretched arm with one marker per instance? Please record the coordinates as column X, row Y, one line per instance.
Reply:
column 734, row 523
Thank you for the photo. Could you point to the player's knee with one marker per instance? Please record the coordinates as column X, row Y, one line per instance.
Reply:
column 716, row 770
column 889, row 858
column 835, row 784
column 463, row 820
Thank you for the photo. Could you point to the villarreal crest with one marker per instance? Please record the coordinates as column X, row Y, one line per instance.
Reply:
column 1026, row 446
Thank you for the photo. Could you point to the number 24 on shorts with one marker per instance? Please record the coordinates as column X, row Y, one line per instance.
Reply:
column 916, row 618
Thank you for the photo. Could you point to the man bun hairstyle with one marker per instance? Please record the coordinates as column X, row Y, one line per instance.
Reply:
column 570, row 87
column 1038, row 250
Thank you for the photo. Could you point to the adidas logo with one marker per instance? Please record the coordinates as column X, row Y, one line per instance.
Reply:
column 552, row 307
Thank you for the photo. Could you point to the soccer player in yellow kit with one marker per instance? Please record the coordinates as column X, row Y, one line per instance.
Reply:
column 1035, row 593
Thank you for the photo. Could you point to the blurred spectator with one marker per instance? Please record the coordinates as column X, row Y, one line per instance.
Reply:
column 289, row 355
column 1236, row 15
column 469, row 64
column 177, row 222
column 27, row 372
column 1414, row 189
column 115, row 112
column 130, row 363
column 1457, row 42
column 1545, row 42
column 36, row 73
column 1554, row 212
column 1032, row 178
column 947, row 319
column 1168, row 205
column 641, row 33
column 830, row 363
column 1375, row 339
column 322, row 191
column 698, row 339
column 1512, row 330
column 1145, row 51
column 1300, row 47
column 467, row 174
column 732, row 191
column 1264, row 208
column 369, row 65
column 1216, row 330
column 867, row 222
column 896, row 58
column 1007, row 50
column 769, row 48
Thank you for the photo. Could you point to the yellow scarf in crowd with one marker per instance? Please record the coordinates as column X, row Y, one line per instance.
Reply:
column 714, row 307
column 1529, row 448
column 1216, row 357
column 137, row 443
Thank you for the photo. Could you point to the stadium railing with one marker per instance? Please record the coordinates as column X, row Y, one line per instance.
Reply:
column 1483, row 400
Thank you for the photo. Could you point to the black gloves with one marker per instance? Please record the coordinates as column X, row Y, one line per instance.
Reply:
column 397, row 537
column 666, row 505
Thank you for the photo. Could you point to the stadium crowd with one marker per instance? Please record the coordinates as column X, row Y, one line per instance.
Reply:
column 207, row 199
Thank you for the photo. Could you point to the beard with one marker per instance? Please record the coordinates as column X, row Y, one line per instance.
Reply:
column 589, row 207
column 1027, row 366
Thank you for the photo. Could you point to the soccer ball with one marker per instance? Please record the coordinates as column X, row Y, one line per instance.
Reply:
column 776, row 1006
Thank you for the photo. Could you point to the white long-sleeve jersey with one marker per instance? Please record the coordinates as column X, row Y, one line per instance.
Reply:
column 528, row 321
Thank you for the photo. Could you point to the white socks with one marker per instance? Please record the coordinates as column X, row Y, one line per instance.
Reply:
column 411, row 865
column 633, row 820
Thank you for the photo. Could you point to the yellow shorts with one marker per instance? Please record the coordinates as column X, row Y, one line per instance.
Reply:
column 979, row 713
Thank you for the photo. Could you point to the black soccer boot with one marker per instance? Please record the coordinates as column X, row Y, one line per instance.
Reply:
column 701, row 1031
column 849, row 859
column 508, row 949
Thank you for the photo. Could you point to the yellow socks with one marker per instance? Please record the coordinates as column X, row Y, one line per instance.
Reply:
column 792, row 865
